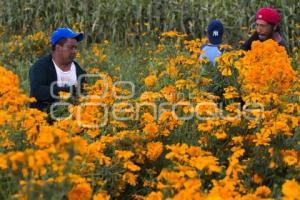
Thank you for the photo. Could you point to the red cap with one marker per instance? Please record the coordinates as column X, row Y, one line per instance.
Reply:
column 269, row 15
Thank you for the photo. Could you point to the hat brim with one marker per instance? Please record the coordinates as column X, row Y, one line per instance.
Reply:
column 78, row 36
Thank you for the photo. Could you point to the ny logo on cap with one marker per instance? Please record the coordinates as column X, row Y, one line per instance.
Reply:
column 259, row 16
column 216, row 33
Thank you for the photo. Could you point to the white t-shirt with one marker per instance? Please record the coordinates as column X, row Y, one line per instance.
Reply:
column 66, row 78
column 211, row 52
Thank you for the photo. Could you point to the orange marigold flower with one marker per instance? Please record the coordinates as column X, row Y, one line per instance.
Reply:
column 266, row 68
column 3, row 161
column 64, row 95
column 154, row 149
column 155, row 196
column 98, row 52
column 147, row 118
column 80, row 191
column 263, row 191
column 257, row 179
column 151, row 130
column 220, row 134
column 130, row 178
column 169, row 93
column 123, row 154
column 131, row 166
column 150, row 96
column 263, row 137
column 230, row 93
column 102, row 196
column 291, row 189
column 150, row 80
column 290, row 157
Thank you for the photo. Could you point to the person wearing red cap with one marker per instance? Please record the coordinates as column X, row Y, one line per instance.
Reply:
column 267, row 27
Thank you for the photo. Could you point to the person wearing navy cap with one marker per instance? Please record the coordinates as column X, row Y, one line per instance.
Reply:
column 211, row 50
column 57, row 71
column 267, row 27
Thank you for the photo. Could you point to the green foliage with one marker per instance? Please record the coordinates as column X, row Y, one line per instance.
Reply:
column 125, row 21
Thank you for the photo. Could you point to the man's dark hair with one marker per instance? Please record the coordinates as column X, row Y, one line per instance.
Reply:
column 278, row 29
column 60, row 42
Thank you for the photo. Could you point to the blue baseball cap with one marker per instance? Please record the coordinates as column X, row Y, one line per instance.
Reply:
column 61, row 33
column 215, row 31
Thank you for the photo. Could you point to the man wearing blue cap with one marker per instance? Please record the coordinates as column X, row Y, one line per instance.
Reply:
column 57, row 71
column 211, row 50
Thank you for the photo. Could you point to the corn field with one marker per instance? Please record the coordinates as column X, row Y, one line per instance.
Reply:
column 125, row 21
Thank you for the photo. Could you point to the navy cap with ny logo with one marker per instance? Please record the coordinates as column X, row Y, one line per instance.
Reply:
column 215, row 31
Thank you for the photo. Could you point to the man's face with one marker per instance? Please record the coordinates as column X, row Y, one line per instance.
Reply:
column 263, row 29
column 68, row 51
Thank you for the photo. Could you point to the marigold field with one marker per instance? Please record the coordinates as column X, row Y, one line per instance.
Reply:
column 155, row 122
